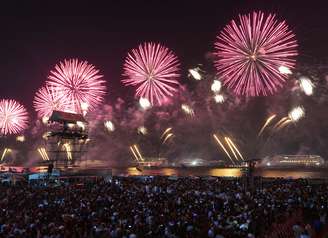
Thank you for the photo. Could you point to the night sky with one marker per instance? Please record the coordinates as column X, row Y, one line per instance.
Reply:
column 34, row 37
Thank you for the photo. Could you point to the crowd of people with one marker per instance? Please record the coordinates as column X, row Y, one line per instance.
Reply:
column 134, row 207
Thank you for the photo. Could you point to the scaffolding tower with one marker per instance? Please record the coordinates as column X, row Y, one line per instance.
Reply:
column 67, row 140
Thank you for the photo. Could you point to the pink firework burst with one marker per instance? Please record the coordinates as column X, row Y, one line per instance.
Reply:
column 251, row 51
column 47, row 99
column 154, row 70
column 79, row 82
column 13, row 117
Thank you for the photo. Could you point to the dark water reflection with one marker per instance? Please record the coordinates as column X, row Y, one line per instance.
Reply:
column 223, row 172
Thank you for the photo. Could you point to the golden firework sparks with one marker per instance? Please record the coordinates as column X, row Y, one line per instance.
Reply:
column 5, row 151
column 134, row 154
column 138, row 152
column 166, row 131
column 167, row 137
column 42, row 151
column 231, row 148
column 223, row 148
column 267, row 122
column 235, row 147
column 279, row 122
column 285, row 123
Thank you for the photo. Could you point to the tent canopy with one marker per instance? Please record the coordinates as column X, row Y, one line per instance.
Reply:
column 66, row 117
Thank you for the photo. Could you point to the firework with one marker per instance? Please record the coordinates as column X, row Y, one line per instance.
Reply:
column 251, row 52
column 144, row 103
column 223, row 148
column 168, row 136
column 13, row 117
column 187, row 109
column 20, row 138
column 282, row 120
column 219, row 98
column 231, row 148
column 43, row 153
column 235, row 147
column 153, row 69
column 138, row 152
column 284, row 123
column 296, row 113
column 194, row 73
column 5, row 151
column 284, row 70
column 109, row 126
column 216, row 86
column 142, row 130
column 134, row 153
column 166, row 131
column 267, row 122
column 79, row 82
column 306, row 86
column 47, row 99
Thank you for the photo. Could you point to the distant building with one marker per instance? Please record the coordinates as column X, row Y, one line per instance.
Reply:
column 192, row 162
column 293, row 161
column 150, row 162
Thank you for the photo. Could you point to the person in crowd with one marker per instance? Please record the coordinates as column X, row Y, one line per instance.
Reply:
column 132, row 207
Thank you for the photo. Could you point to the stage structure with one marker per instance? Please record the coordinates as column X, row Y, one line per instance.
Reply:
column 67, row 139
